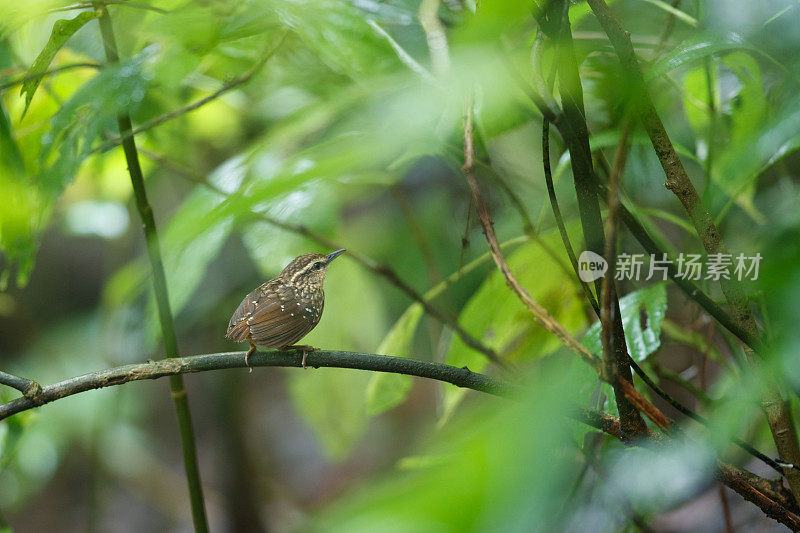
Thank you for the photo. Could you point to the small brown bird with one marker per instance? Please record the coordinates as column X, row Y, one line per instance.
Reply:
column 284, row 309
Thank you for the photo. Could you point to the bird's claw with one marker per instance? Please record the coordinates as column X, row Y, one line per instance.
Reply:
column 247, row 357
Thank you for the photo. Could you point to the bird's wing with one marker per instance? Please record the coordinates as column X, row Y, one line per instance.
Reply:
column 238, row 327
column 278, row 318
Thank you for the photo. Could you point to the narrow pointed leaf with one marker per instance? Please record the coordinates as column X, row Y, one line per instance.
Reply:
column 62, row 31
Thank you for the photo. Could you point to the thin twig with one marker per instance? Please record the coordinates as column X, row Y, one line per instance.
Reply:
column 667, row 374
column 608, row 291
column 175, row 113
column 562, row 227
column 370, row 264
column 418, row 233
column 39, row 75
column 539, row 313
column 29, row 388
column 726, row 509
column 484, row 164
column 169, row 338
column 135, row 5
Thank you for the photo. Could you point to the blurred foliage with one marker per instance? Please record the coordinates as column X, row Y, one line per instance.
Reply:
column 342, row 101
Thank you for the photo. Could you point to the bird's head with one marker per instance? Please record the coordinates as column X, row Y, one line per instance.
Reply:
column 309, row 269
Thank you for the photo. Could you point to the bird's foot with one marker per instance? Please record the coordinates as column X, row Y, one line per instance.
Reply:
column 305, row 348
column 247, row 356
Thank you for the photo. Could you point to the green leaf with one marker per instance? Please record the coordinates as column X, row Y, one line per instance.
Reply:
column 641, row 342
column 62, row 31
column 499, row 467
column 386, row 390
column 90, row 112
column 21, row 214
column 326, row 401
column 703, row 45
column 10, row 432
column 338, row 34
column 758, row 137
column 190, row 243
column 9, row 150
column 497, row 318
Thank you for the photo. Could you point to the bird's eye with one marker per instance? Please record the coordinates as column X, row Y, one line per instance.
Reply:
column 318, row 265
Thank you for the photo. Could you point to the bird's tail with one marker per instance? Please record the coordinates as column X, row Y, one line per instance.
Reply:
column 238, row 332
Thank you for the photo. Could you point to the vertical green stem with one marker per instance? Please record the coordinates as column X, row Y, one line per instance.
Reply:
column 160, row 285
column 711, row 91
column 575, row 133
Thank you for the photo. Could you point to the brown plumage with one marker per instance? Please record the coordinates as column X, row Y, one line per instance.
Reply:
column 284, row 309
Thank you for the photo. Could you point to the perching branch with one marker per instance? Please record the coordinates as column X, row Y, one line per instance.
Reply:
column 169, row 338
column 678, row 182
column 175, row 366
column 370, row 264
column 750, row 486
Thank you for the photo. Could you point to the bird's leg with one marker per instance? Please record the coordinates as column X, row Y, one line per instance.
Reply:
column 247, row 355
column 305, row 347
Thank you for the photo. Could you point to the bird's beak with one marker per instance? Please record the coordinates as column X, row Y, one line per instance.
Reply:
column 334, row 255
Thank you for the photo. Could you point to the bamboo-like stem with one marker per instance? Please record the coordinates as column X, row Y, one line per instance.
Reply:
column 778, row 418
column 170, row 340
column 574, row 131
